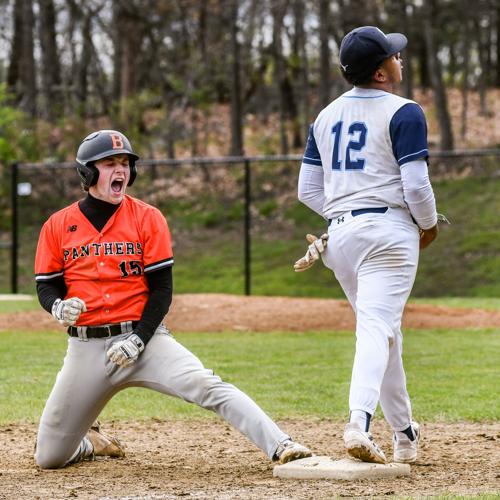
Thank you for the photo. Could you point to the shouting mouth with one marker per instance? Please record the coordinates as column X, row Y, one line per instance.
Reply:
column 117, row 186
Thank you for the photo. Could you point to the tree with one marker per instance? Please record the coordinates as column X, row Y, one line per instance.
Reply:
column 480, row 19
column 21, row 75
column 128, row 41
column 324, row 57
column 278, row 10
column 50, row 68
column 436, row 75
column 302, row 62
column 465, row 73
column 236, row 111
column 497, row 16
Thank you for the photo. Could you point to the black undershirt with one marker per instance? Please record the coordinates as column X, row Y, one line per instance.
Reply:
column 160, row 283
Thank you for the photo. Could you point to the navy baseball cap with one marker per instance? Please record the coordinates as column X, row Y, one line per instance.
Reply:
column 364, row 49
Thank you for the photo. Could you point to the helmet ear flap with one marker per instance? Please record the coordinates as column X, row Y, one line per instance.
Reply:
column 89, row 174
column 133, row 171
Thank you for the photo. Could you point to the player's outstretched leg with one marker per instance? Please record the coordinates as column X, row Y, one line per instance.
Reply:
column 184, row 376
column 289, row 450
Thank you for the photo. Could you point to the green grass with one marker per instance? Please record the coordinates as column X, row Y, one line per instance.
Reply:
column 9, row 306
column 208, row 240
column 452, row 374
column 492, row 303
column 463, row 262
column 483, row 496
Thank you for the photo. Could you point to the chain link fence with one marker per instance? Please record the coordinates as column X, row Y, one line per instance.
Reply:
column 235, row 221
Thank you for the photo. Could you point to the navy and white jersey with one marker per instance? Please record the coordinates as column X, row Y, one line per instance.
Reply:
column 360, row 141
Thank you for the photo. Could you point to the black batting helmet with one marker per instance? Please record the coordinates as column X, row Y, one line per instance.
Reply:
column 99, row 145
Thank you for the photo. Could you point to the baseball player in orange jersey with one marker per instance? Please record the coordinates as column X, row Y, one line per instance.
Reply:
column 104, row 269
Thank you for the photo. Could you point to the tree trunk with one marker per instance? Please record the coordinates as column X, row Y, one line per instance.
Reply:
column 21, row 74
column 99, row 82
column 131, row 45
column 465, row 77
column 262, row 92
column 278, row 12
column 16, row 51
column 293, row 79
column 27, row 63
column 83, row 64
column 50, row 67
column 236, row 111
column 408, row 52
column 481, row 49
column 303, row 76
column 118, row 50
column 423, row 66
column 497, row 76
column 324, row 53
column 70, row 75
column 436, row 76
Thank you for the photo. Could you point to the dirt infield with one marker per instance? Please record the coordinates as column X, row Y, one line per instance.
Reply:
column 221, row 312
column 207, row 459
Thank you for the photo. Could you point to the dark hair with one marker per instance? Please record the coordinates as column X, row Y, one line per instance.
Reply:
column 362, row 78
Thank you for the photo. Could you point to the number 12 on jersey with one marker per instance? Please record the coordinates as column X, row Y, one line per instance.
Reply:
column 358, row 132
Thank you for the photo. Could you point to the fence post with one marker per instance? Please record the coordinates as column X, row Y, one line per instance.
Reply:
column 248, row 241
column 14, row 229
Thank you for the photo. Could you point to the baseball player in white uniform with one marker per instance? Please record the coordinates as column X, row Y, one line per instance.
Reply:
column 365, row 171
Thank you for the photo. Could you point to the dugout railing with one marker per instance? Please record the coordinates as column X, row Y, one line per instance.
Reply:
column 39, row 189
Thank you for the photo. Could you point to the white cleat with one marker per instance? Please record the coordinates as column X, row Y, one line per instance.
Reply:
column 289, row 451
column 405, row 450
column 359, row 444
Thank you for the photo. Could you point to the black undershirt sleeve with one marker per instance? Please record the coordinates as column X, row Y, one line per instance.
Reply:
column 160, row 282
column 49, row 291
column 160, row 285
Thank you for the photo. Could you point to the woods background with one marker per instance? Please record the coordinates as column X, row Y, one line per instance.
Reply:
column 211, row 78
column 159, row 69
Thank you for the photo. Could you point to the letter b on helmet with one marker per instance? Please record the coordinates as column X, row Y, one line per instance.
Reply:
column 99, row 145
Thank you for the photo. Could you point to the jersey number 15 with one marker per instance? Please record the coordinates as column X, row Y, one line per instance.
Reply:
column 134, row 267
column 355, row 144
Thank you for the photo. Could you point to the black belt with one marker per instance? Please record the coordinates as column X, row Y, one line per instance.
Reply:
column 99, row 332
column 360, row 211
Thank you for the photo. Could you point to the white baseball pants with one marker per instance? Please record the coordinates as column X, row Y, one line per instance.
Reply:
column 88, row 380
column 374, row 257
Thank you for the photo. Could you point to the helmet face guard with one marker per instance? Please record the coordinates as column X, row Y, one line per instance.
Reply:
column 99, row 145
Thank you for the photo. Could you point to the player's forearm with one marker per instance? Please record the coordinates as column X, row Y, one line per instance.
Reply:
column 49, row 291
column 418, row 193
column 158, row 304
column 311, row 189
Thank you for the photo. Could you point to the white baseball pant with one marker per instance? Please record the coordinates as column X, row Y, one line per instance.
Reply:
column 374, row 257
column 88, row 380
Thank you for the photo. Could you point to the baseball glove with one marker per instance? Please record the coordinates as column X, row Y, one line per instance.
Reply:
column 314, row 250
column 443, row 218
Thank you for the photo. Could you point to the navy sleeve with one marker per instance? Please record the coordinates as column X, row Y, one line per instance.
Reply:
column 408, row 130
column 311, row 154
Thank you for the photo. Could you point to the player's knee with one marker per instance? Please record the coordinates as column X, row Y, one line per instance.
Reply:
column 48, row 459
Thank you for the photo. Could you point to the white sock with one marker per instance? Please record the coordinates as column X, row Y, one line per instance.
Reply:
column 362, row 418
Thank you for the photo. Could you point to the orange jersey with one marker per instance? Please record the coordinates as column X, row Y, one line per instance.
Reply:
column 106, row 268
